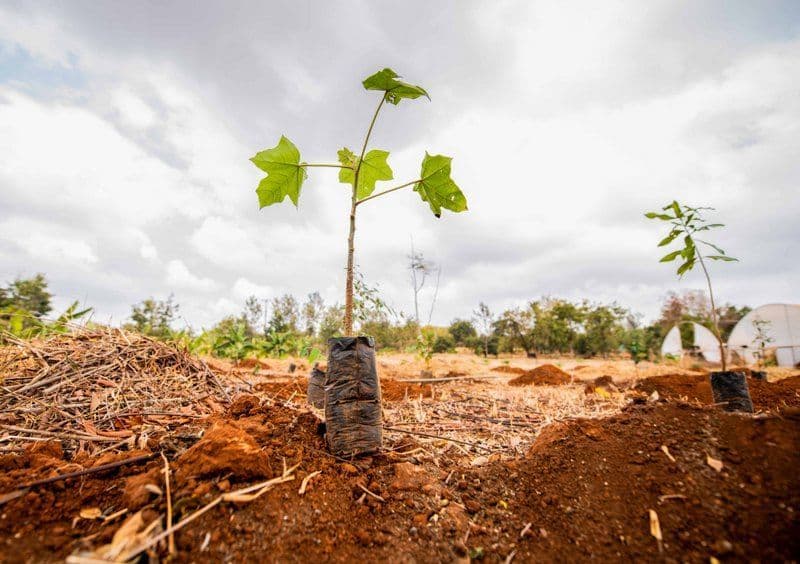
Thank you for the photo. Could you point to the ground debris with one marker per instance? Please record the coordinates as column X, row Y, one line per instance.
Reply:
column 99, row 387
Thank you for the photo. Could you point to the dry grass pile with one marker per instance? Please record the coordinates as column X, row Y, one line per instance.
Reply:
column 97, row 386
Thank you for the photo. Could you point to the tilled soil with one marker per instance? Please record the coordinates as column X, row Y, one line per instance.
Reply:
column 697, row 388
column 583, row 492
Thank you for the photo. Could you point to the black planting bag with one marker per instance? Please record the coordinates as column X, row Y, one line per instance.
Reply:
column 353, row 397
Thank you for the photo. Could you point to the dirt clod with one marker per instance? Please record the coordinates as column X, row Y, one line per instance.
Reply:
column 224, row 449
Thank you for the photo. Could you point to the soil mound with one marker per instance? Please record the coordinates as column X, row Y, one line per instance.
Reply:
column 697, row 388
column 603, row 383
column 395, row 390
column 586, row 487
column 505, row 369
column 544, row 375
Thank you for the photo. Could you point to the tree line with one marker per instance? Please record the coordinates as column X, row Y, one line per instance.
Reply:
column 286, row 325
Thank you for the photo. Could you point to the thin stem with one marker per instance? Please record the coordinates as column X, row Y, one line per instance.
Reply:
column 713, row 311
column 717, row 332
column 324, row 165
column 387, row 191
column 348, row 293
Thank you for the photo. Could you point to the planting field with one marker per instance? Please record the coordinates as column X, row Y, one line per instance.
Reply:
column 501, row 460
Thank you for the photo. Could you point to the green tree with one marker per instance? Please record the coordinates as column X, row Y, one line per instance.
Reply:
column 484, row 320
column 28, row 294
column 285, row 314
column 602, row 329
column 253, row 316
column 313, row 310
column 462, row 332
column 154, row 317
column 516, row 326
column 556, row 325
column 286, row 174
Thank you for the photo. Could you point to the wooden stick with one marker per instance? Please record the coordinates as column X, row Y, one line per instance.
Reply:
column 85, row 471
column 421, row 434
column 171, row 538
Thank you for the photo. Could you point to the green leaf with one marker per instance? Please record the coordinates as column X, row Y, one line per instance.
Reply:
column 314, row 355
column 723, row 257
column 373, row 168
column 685, row 267
column 676, row 208
column 654, row 215
column 396, row 90
column 437, row 188
column 284, row 177
column 669, row 238
column 671, row 256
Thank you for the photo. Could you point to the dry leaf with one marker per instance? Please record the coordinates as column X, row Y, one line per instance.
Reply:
column 91, row 513
column 655, row 529
column 714, row 463
column 480, row 461
column 153, row 489
column 655, row 526
column 654, row 396
column 666, row 451
column 602, row 392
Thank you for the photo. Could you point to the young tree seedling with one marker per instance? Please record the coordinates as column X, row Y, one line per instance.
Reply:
column 687, row 222
column 286, row 174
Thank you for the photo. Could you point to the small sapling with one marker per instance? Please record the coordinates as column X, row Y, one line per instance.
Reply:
column 686, row 224
column 354, row 420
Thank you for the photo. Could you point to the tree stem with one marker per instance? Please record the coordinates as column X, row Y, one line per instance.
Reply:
column 348, row 292
column 718, row 333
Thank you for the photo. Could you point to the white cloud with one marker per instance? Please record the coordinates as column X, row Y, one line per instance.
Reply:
column 244, row 288
column 566, row 122
column 179, row 276
column 225, row 243
column 47, row 245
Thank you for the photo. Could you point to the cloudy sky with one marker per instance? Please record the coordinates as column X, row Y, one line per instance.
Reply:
column 126, row 128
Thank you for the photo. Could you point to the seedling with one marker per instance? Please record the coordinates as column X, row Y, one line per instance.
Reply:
column 686, row 222
column 286, row 174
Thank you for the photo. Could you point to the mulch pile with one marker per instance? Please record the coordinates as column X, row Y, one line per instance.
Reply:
column 697, row 388
column 544, row 375
column 98, row 387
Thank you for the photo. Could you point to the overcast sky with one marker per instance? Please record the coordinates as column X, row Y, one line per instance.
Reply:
column 126, row 128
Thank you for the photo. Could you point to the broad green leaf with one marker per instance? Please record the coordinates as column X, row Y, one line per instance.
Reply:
column 671, row 256
column 437, row 188
column 685, row 267
column 373, row 168
column 396, row 90
column 284, row 177
column 723, row 257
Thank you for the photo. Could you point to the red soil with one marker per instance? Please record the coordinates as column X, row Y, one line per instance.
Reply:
column 583, row 492
column 544, row 375
column 509, row 369
column 394, row 390
column 697, row 388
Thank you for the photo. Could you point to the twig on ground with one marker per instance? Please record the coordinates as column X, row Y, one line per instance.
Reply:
column 306, row 480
